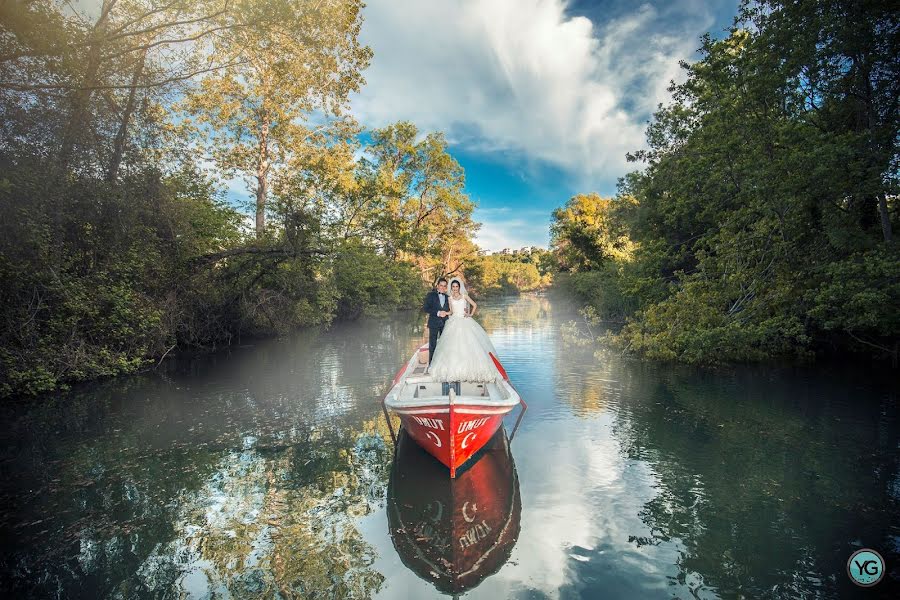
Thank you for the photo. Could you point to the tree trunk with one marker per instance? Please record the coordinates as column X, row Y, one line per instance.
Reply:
column 260, row 204
column 122, row 134
column 262, row 179
column 446, row 265
column 78, row 120
column 81, row 96
column 885, row 218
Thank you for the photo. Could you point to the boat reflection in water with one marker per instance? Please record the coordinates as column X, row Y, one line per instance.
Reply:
column 454, row 532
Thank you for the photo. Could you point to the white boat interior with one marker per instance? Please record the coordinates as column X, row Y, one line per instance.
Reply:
column 417, row 388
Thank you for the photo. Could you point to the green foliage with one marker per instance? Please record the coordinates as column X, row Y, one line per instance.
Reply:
column 509, row 273
column 117, row 248
column 584, row 235
column 860, row 295
column 762, row 224
column 102, row 279
column 414, row 191
column 90, row 270
column 691, row 326
column 602, row 291
column 371, row 283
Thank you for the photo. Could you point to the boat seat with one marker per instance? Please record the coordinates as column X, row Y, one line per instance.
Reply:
column 494, row 392
column 472, row 389
column 420, row 379
column 447, row 386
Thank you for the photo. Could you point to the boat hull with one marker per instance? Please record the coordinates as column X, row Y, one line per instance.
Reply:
column 450, row 421
column 454, row 434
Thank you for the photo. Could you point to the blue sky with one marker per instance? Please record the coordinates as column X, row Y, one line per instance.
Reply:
column 539, row 99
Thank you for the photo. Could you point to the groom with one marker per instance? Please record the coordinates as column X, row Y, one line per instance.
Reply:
column 437, row 305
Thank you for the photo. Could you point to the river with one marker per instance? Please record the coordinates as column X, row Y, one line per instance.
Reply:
column 267, row 470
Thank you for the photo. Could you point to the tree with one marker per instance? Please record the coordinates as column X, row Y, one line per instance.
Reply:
column 505, row 274
column 583, row 233
column 771, row 173
column 84, row 79
column 425, row 215
column 294, row 65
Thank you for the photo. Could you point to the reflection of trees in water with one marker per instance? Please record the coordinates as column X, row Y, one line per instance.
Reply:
column 590, row 384
column 755, row 479
column 253, row 521
column 143, row 486
column 512, row 312
column 588, row 376
column 590, row 399
column 266, row 522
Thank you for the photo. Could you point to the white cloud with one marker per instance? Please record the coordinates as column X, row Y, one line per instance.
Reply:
column 504, row 228
column 525, row 77
column 499, row 210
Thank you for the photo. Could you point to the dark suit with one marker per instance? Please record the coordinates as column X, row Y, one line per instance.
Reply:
column 435, row 323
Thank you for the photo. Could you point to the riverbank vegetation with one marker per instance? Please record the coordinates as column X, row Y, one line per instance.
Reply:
column 510, row 271
column 118, row 241
column 762, row 225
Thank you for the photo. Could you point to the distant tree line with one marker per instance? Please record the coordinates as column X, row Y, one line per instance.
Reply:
column 763, row 224
column 510, row 271
column 117, row 244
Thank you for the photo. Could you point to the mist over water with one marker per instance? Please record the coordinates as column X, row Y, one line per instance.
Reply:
column 266, row 471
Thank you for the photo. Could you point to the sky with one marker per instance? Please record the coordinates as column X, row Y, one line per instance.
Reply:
column 539, row 99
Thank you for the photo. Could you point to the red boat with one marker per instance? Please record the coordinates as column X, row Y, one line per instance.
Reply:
column 454, row 533
column 451, row 420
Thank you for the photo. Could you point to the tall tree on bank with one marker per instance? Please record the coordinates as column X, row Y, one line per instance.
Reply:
column 89, row 84
column 294, row 67
column 763, row 221
column 426, row 217
column 131, row 251
column 582, row 234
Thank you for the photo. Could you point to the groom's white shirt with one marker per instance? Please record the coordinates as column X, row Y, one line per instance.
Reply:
column 441, row 298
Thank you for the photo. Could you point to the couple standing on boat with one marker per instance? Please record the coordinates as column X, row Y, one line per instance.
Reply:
column 463, row 352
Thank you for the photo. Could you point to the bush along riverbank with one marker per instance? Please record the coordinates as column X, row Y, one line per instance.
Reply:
column 127, row 231
column 762, row 227
column 106, row 279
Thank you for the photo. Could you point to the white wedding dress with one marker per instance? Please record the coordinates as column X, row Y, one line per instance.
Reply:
column 462, row 350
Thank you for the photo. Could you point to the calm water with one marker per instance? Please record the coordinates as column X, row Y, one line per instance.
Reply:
column 268, row 471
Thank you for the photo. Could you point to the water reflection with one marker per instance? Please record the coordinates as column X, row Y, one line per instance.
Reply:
column 525, row 310
column 756, row 469
column 454, row 533
column 264, row 471
column 240, row 476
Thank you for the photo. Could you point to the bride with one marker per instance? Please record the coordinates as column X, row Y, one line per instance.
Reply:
column 462, row 352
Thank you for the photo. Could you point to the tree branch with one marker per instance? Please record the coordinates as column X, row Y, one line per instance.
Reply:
column 207, row 258
column 861, row 341
column 24, row 87
column 118, row 32
column 191, row 38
